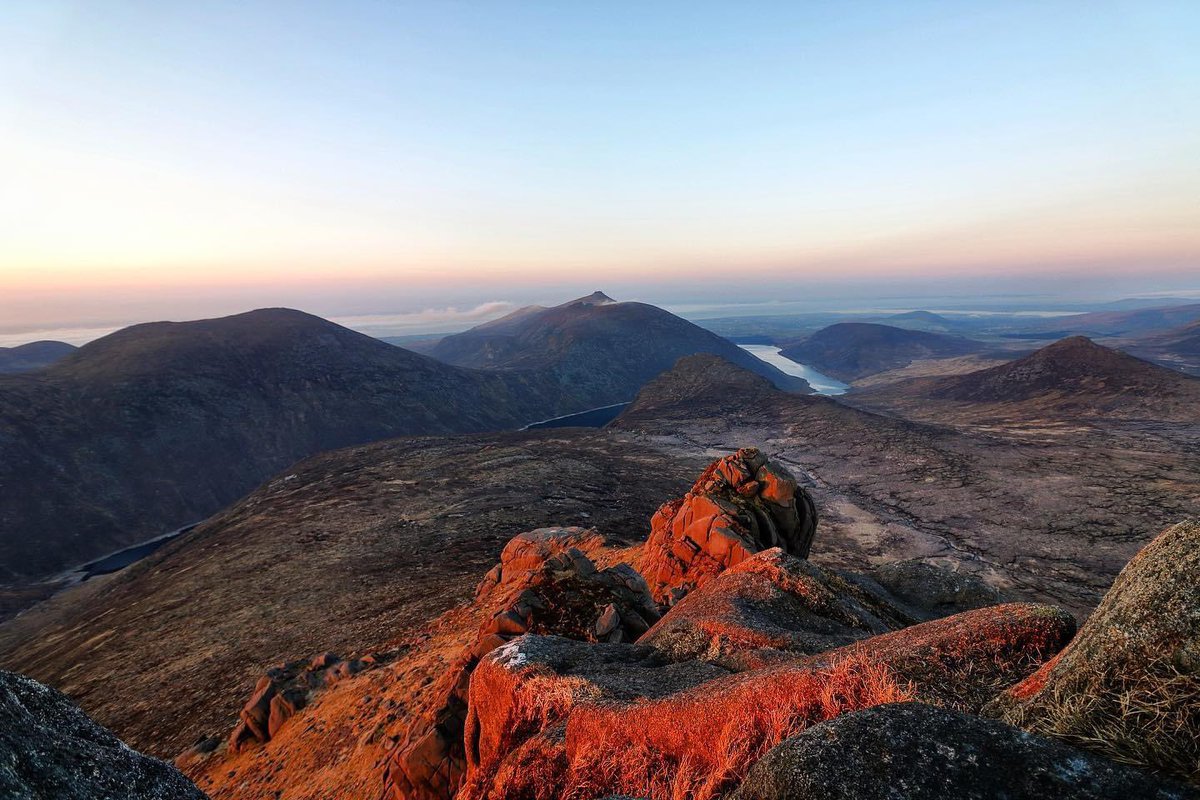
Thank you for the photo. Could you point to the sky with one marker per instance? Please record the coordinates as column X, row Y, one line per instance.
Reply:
column 449, row 160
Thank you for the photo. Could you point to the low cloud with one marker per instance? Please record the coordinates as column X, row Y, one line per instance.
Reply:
column 429, row 320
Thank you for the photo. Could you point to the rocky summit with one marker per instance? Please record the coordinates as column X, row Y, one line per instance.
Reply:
column 742, row 504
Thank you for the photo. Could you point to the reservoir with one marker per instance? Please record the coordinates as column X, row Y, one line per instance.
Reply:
column 821, row 384
column 123, row 558
column 592, row 418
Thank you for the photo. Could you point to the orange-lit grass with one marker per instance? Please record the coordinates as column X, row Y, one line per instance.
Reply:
column 698, row 742
column 705, row 749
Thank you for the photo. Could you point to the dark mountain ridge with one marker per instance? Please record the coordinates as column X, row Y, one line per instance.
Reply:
column 34, row 355
column 160, row 425
column 597, row 347
column 851, row 350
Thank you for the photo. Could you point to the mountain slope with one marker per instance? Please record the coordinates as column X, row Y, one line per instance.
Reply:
column 160, row 425
column 1120, row 323
column 920, row 321
column 600, row 350
column 1074, row 376
column 34, row 355
column 1178, row 348
column 851, row 350
column 346, row 550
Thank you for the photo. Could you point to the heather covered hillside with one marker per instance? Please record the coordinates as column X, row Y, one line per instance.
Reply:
column 159, row 425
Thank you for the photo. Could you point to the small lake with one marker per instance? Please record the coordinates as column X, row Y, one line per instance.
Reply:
column 130, row 555
column 592, row 418
column 821, row 384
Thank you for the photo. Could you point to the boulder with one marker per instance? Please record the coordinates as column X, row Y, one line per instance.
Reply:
column 935, row 591
column 630, row 720
column 284, row 690
column 1129, row 685
column 740, row 505
column 769, row 605
column 50, row 749
column 544, row 584
column 918, row 752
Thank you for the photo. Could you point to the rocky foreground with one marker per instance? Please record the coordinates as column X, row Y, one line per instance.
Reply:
column 735, row 668
column 742, row 669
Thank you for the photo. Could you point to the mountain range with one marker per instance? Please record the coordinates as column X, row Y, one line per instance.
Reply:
column 597, row 347
column 379, row 616
column 374, row 552
column 159, row 425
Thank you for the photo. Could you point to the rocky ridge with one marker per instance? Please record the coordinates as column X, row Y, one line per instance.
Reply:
column 568, row 688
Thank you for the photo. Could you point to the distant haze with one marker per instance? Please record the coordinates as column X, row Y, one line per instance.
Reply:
column 436, row 160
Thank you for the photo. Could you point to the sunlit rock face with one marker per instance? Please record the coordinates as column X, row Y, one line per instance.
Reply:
column 774, row 604
column 742, row 504
column 545, row 583
column 554, row 718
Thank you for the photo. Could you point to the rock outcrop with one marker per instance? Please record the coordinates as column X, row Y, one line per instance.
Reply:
column 286, row 689
column 1129, row 684
column 575, row 719
column 545, row 583
column 920, row 752
column 742, row 504
column 50, row 749
column 773, row 605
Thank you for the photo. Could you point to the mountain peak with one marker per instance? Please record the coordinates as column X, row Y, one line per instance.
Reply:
column 1073, row 367
column 596, row 298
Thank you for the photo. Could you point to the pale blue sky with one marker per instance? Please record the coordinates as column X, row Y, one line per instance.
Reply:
column 404, row 152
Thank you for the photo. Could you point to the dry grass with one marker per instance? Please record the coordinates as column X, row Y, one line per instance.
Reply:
column 1149, row 719
column 700, row 753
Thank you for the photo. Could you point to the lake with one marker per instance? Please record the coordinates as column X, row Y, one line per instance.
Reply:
column 130, row 555
column 821, row 383
column 592, row 418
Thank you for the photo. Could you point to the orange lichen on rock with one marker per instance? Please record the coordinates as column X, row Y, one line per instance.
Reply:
column 740, row 505
column 631, row 722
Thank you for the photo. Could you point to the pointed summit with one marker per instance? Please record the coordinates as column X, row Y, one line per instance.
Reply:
column 596, row 298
